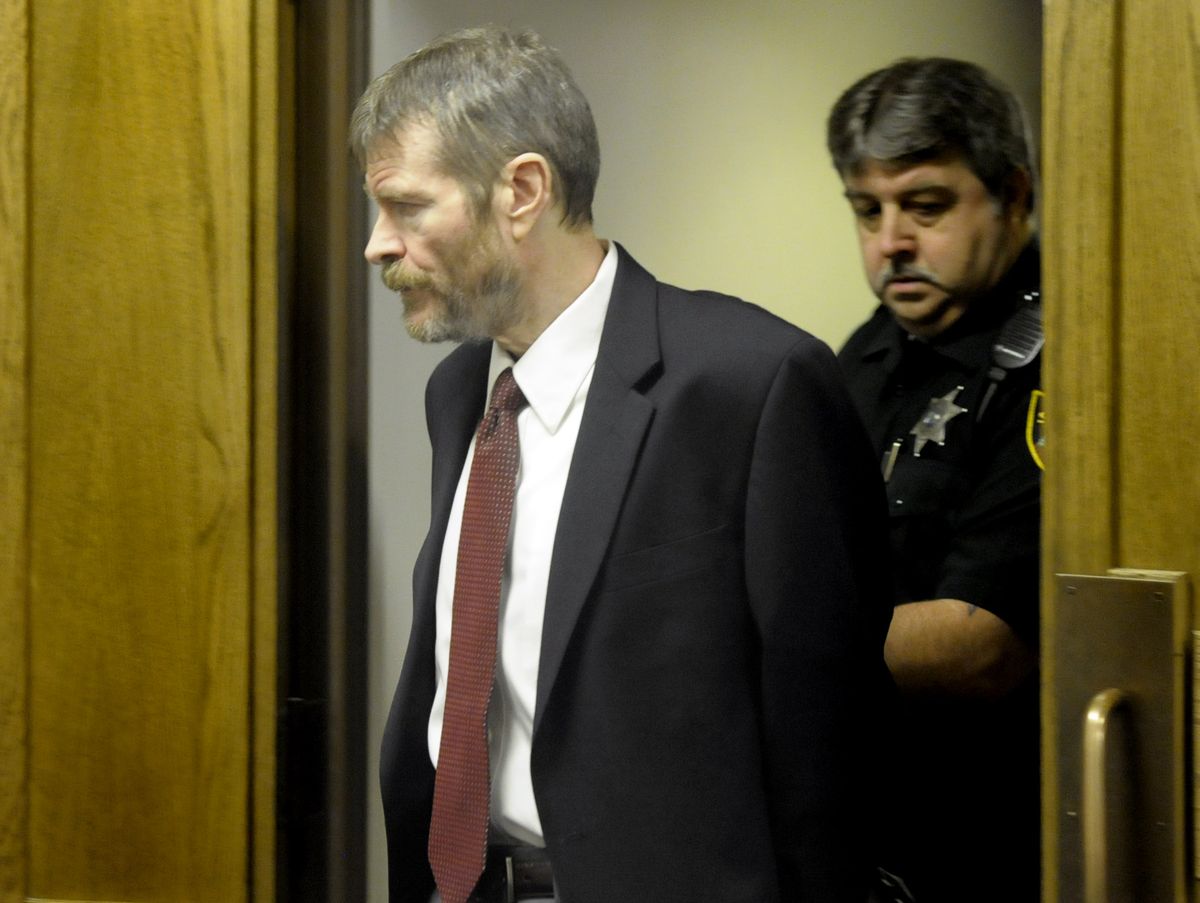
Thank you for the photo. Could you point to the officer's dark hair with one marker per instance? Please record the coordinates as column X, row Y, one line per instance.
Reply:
column 917, row 110
column 490, row 94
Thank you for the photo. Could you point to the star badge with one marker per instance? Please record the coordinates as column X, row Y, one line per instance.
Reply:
column 932, row 425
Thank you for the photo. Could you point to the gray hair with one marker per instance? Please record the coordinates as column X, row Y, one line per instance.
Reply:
column 490, row 94
column 922, row 109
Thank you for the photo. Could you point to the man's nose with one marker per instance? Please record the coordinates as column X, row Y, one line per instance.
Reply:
column 385, row 244
column 897, row 237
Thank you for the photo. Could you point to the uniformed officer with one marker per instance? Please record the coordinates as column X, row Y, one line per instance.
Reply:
column 937, row 168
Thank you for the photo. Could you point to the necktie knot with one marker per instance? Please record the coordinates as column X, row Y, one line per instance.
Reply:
column 507, row 399
column 506, row 394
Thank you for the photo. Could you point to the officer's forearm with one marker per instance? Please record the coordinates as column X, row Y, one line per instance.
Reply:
column 948, row 647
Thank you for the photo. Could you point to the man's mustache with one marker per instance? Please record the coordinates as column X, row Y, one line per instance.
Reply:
column 398, row 279
column 903, row 272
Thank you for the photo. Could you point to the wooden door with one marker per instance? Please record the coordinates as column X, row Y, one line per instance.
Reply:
column 1121, row 234
column 138, row 223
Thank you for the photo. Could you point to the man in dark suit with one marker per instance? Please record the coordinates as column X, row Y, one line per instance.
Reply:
column 686, row 609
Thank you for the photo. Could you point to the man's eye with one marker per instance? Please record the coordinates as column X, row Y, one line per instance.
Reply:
column 866, row 212
column 405, row 210
column 929, row 209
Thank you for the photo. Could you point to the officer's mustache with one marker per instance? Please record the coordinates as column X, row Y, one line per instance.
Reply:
column 903, row 272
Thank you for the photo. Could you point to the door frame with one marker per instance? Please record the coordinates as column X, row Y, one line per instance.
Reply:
column 322, row 787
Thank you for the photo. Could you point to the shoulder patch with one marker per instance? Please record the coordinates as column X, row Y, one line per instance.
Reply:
column 1035, row 426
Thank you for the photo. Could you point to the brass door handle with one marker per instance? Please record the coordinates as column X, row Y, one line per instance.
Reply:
column 1095, row 793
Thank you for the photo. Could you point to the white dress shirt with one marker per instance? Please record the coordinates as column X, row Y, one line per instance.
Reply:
column 554, row 375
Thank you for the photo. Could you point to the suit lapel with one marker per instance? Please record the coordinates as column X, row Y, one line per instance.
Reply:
column 614, row 424
column 454, row 406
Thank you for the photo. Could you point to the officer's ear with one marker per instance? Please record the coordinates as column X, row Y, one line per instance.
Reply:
column 1018, row 194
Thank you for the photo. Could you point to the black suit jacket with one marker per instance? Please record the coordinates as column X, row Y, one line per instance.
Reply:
column 711, row 667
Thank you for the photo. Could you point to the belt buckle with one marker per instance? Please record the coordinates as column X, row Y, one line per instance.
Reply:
column 510, row 888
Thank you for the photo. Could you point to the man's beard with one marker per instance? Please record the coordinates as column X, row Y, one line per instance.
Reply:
column 477, row 299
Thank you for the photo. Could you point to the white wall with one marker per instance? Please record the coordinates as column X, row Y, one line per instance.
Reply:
column 714, row 175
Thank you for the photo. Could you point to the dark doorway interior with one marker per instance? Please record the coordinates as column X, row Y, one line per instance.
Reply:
column 323, row 476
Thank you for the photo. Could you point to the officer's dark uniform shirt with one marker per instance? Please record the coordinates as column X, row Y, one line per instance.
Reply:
column 963, row 485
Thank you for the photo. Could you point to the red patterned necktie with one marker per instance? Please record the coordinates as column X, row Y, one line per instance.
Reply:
column 458, row 830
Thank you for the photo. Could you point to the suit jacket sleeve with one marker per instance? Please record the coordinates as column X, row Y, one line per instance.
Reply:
column 816, row 544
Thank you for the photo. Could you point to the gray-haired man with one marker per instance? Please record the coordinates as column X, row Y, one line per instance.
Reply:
column 939, row 174
column 688, row 655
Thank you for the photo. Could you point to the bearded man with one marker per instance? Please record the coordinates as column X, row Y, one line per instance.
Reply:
column 646, row 653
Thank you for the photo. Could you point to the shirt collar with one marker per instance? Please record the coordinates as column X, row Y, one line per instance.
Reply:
column 551, row 371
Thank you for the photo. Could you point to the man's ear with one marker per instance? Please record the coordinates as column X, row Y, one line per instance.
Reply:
column 526, row 192
column 1018, row 193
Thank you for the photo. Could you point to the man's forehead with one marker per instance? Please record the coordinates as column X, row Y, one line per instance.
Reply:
column 402, row 161
column 901, row 175
column 407, row 142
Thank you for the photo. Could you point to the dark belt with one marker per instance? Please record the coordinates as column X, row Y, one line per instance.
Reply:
column 514, row 873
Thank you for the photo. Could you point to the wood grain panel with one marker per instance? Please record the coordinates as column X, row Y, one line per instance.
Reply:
column 14, row 438
column 272, row 36
column 1159, row 398
column 1081, row 76
column 1080, row 253
column 141, row 524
